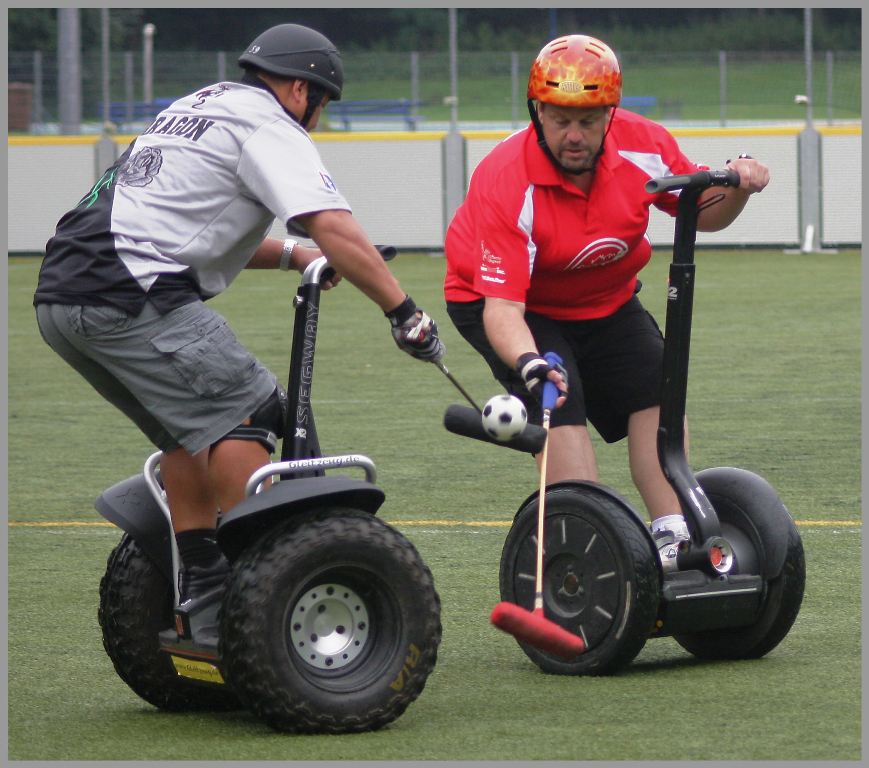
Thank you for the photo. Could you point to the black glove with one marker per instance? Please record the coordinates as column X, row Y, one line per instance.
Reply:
column 415, row 332
column 534, row 369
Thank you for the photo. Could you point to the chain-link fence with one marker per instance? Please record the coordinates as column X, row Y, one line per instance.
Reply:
column 709, row 87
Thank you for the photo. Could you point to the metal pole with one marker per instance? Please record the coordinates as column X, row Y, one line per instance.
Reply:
column 514, row 88
column 454, row 146
column 221, row 66
column 69, row 70
column 809, row 159
column 454, row 71
column 807, row 45
column 129, row 94
column 414, row 84
column 107, row 83
column 829, row 87
column 38, row 111
column 148, row 62
column 722, row 87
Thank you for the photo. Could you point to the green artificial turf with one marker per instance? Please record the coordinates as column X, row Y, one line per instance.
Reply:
column 774, row 387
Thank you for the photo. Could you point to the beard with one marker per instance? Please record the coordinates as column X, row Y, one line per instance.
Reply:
column 579, row 166
column 573, row 164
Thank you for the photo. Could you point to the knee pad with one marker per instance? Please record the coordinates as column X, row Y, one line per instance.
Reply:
column 266, row 422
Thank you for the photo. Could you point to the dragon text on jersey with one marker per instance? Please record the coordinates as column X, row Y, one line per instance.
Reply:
column 186, row 126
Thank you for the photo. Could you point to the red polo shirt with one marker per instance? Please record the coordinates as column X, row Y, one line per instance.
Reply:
column 525, row 233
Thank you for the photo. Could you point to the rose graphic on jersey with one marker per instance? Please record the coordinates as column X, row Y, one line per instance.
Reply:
column 141, row 168
column 598, row 253
column 207, row 93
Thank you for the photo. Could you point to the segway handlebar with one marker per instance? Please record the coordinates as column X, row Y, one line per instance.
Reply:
column 698, row 180
column 319, row 269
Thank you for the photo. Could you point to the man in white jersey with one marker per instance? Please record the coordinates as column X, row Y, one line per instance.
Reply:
column 171, row 224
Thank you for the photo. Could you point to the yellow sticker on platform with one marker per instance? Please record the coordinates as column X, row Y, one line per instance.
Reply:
column 197, row 670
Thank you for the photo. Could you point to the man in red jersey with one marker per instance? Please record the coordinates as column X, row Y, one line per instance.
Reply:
column 543, row 255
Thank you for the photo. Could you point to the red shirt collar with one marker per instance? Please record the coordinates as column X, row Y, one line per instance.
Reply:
column 542, row 171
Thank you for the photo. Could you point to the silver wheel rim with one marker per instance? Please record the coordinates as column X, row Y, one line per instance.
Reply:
column 329, row 626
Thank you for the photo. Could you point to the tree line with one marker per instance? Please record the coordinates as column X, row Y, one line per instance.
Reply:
column 481, row 29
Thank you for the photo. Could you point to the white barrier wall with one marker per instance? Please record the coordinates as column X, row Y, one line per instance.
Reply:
column 771, row 218
column 395, row 184
column 45, row 179
column 842, row 182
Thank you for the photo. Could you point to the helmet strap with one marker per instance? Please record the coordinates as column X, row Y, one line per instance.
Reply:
column 316, row 94
column 541, row 141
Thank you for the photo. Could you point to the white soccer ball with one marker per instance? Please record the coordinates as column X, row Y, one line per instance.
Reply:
column 504, row 417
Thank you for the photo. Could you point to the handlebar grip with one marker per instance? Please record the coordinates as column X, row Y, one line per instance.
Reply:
column 388, row 252
column 550, row 391
column 698, row 180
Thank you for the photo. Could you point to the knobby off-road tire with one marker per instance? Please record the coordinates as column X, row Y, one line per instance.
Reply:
column 330, row 624
column 600, row 573
column 136, row 603
column 747, row 506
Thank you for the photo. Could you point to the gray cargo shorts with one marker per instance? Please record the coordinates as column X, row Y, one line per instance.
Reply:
column 183, row 377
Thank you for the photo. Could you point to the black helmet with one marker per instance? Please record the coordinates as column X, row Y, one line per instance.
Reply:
column 291, row 50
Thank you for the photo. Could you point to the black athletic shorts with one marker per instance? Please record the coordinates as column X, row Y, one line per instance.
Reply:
column 614, row 364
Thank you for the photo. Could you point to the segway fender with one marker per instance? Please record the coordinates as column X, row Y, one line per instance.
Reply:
column 255, row 515
column 597, row 489
column 130, row 505
column 760, row 503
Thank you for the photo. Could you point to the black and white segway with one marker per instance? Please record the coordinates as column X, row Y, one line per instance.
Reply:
column 329, row 621
column 736, row 586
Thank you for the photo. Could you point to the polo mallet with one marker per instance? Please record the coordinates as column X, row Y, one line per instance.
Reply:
column 532, row 627
column 443, row 368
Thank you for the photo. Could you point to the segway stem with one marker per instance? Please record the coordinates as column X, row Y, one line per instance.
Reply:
column 699, row 513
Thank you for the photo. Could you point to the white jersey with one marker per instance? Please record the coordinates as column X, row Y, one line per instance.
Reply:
column 192, row 197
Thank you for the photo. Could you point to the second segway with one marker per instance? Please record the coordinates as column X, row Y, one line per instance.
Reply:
column 735, row 588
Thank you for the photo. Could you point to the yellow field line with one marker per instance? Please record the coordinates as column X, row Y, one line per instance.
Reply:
column 413, row 523
column 30, row 141
column 352, row 136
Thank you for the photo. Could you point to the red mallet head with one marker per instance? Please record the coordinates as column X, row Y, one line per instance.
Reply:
column 533, row 628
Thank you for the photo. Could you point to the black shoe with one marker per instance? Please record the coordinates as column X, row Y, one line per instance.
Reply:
column 195, row 581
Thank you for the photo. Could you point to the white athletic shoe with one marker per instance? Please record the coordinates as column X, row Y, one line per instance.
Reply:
column 668, row 549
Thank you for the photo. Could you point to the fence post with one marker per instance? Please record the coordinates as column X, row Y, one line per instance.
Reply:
column 38, row 114
column 829, row 87
column 105, row 57
column 69, row 69
column 809, row 142
column 514, row 88
column 810, row 147
column 453, row 142
column 105, row 154
column 129, row 95
column 414, row 84
column 148, row 63
column 722, row 87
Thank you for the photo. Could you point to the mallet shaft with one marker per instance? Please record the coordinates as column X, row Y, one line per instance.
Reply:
column 456, row 384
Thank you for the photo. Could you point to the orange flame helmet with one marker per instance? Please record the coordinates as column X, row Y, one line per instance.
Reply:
column 576, row 71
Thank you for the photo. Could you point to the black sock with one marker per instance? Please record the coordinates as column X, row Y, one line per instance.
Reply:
column 198, row 547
